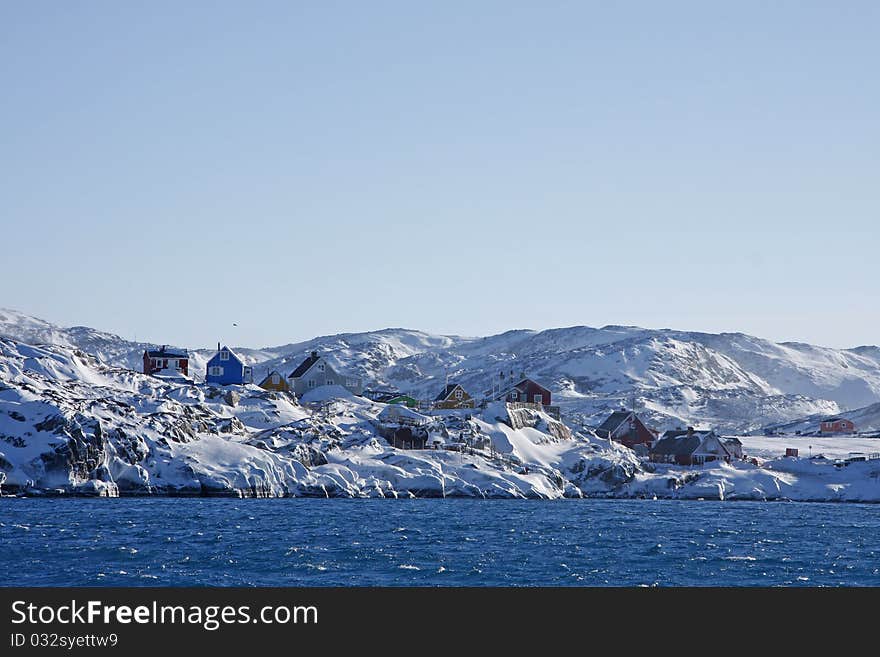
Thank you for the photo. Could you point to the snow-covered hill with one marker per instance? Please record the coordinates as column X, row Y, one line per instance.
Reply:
column 71, row 424
column 732, row 381
column 866, row 419
column 107, row 347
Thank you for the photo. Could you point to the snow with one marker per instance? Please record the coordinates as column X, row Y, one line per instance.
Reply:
column 80, row 421
column 834, row 447
column 324, row 393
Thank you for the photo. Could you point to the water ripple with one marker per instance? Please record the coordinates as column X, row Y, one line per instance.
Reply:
column 299, row 542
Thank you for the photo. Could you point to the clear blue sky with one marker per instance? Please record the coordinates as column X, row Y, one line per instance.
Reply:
column 169, row 168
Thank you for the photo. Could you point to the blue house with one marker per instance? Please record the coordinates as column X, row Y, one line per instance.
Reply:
column 226, row 368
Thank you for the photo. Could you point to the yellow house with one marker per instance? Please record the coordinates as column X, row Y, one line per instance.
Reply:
column 275, row 381
column 453, row 396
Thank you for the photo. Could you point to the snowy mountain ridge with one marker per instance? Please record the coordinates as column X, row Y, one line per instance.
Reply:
column 730, row 380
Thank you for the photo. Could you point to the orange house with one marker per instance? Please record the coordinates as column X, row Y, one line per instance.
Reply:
column 274, row 381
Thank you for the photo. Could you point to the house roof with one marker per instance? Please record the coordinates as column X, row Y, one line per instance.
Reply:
column 833, row 419
column 447, row 392
column 613, row 421
column 393, row 413
column 165, row 352
column 380, row 395
column 305, row 366
column 386, row 396
column 532, row 381
column 732, row 441
column 680, row 445
column 675, row 433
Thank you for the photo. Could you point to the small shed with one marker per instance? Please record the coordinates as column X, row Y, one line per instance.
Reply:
column 402, row 415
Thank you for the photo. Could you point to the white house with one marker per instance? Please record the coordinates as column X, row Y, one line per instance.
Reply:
column 689, row 447
column 315, row 372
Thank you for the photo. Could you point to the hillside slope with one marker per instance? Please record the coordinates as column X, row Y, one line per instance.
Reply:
column 730, row 380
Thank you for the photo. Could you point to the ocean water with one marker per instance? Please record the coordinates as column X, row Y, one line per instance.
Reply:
column 452, row 542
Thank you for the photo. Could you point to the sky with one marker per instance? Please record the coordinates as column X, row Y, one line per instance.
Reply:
column 170, row 169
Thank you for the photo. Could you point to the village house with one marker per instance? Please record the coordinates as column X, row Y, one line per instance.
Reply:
column 689, row 447
column 226, row 368
column 380, row 396
column 734, row 447
column 524, row 391
column 402, row 415
column 405, row 400
column 166, row 360
column 391, row 397
column 837, row 425
column 453, row 396
column 275, row 381
column 626, row 428
column 406, row 437
column 315, row 371
column 405, row 428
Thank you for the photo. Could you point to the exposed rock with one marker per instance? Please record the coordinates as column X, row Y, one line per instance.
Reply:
column 231, row 425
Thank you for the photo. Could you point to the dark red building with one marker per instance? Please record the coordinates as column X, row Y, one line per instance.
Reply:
column 626, row 428
column 161, row 360
column 529, row 391
column 837, row 425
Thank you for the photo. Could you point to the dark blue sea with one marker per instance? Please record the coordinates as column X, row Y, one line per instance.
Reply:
column 319, row 542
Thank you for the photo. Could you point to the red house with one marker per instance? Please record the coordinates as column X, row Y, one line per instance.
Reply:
column 525, row 390
column 837, row 425
column 626, row 428
column 165, row 360
column 529, row 391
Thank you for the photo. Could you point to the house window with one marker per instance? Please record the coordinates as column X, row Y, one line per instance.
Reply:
column 215, row 371
column 311, row 383
column 329, row 382
column 276, row 379
column 224, row 355
column 514, row 396
column 321, row 367
column 539, row 399
column 459, row 394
